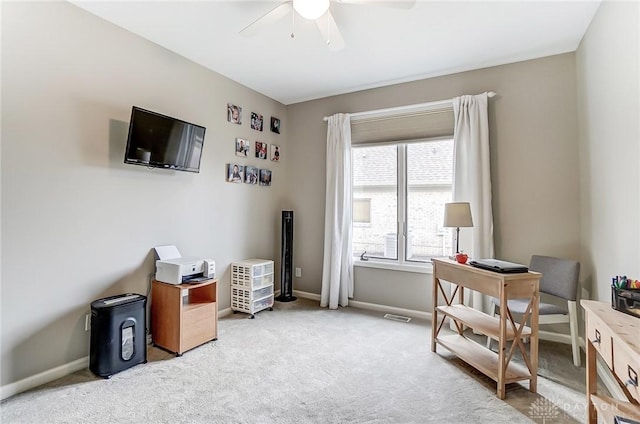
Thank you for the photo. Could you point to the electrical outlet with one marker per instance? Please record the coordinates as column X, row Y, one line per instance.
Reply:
column 298, row 272
column 87, row 322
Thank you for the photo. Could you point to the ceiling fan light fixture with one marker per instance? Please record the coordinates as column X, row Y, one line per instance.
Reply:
column 311, row 9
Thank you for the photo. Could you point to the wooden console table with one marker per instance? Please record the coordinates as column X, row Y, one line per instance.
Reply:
column 615, row 337
column 497, row 366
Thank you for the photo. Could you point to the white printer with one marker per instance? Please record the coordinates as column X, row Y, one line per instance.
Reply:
column 172, row 268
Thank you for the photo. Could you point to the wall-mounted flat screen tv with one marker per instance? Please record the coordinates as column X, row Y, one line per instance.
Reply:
column 159, row 141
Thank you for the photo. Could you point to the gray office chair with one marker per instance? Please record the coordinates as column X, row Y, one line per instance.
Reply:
column 559, row 279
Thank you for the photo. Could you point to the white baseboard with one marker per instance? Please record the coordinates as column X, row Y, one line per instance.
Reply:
column 43, row 377
column 223, row 313
column 371, row 306
column 390, row 309
column 306, row 295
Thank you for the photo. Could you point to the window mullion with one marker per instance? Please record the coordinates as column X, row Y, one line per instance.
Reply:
column 402, row 201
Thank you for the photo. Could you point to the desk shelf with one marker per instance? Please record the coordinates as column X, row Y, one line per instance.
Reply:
column 482, row 359
column 480, row 321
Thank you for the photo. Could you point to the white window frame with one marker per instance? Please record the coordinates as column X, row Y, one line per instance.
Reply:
column 401, row 263
column 399, row 112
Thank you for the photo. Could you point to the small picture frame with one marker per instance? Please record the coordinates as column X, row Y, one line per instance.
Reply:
column 275, row 153
column 242, row 147
column 251, row 175
column 235, row 173
column 261, row 150
column 275, row 125
column 256, row 121
column 265, row 177
column 234, row 114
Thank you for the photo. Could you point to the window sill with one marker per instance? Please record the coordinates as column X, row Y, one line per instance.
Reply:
column 425, row 268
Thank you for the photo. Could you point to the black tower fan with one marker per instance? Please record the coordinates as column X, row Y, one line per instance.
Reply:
column 286, row 259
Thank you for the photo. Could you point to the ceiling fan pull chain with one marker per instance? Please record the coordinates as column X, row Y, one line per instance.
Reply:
column 328, row 29
column 293, row 23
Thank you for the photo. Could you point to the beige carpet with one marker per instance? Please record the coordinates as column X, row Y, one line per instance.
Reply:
column 300, row 364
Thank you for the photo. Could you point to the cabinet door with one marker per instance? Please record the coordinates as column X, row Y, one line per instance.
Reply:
column 600, row 336
column 626, row 366
column 198, row 326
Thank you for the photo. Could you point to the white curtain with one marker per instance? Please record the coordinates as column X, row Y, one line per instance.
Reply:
column 337, row 267
column 471, row 175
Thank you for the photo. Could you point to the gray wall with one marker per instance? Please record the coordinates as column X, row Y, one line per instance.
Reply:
column 534, row 168
column 78, row 224
column 609, row 96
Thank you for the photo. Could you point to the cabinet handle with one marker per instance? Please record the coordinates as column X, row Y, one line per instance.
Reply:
column 598, row 339
column 633, row 377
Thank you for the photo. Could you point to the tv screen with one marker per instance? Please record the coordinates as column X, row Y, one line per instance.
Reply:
column 159, row 141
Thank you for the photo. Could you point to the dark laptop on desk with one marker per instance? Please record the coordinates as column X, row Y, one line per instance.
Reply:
column 497, row 265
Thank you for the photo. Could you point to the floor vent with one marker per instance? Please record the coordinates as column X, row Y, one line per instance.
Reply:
column 397, row 318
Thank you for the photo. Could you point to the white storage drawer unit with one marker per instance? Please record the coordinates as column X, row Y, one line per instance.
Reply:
column 252, row 286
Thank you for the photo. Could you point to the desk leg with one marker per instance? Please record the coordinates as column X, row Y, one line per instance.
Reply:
column 533, row 347
column 434, row 313
column 502, row 345
column 592, row 382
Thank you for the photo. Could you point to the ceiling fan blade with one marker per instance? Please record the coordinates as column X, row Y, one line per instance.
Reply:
column 399, row 4
column 330, row 32
column 267, row 19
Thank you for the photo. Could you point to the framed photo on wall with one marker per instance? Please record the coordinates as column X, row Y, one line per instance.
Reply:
column 265, row 177
column 242, row 147
column 261, row 150
column 234, row 114
column 251, row 175
column 256, row 121
column 275, row 153
column 235, row 173
column 275, row 125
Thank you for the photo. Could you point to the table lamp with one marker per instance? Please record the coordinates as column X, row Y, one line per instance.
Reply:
column 457, row 214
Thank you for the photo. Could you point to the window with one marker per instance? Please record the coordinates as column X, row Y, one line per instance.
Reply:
column 405, row 186
column 362, row 211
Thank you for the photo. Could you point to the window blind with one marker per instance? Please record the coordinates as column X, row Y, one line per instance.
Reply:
column 403, row 126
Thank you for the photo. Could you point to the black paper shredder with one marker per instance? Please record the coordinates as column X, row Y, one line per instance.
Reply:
column 118, row 328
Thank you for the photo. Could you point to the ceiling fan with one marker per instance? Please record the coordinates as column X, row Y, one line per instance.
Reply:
column 320, row 12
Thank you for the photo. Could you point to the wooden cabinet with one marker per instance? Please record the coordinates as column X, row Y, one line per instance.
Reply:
column 615, row 337
column 497, row 366
column 184, row 316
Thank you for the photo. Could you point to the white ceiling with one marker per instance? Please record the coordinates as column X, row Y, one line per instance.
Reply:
column 383, row 45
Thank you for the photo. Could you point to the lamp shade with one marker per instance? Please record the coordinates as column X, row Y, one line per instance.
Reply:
column 457, row 214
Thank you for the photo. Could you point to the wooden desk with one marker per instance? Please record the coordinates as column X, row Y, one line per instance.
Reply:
column 497, row 366
column 615, row 337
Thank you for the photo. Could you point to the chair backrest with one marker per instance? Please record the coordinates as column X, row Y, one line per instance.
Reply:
column 559, row 276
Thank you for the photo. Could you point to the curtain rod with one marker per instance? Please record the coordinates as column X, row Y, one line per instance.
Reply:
column 392, row 110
